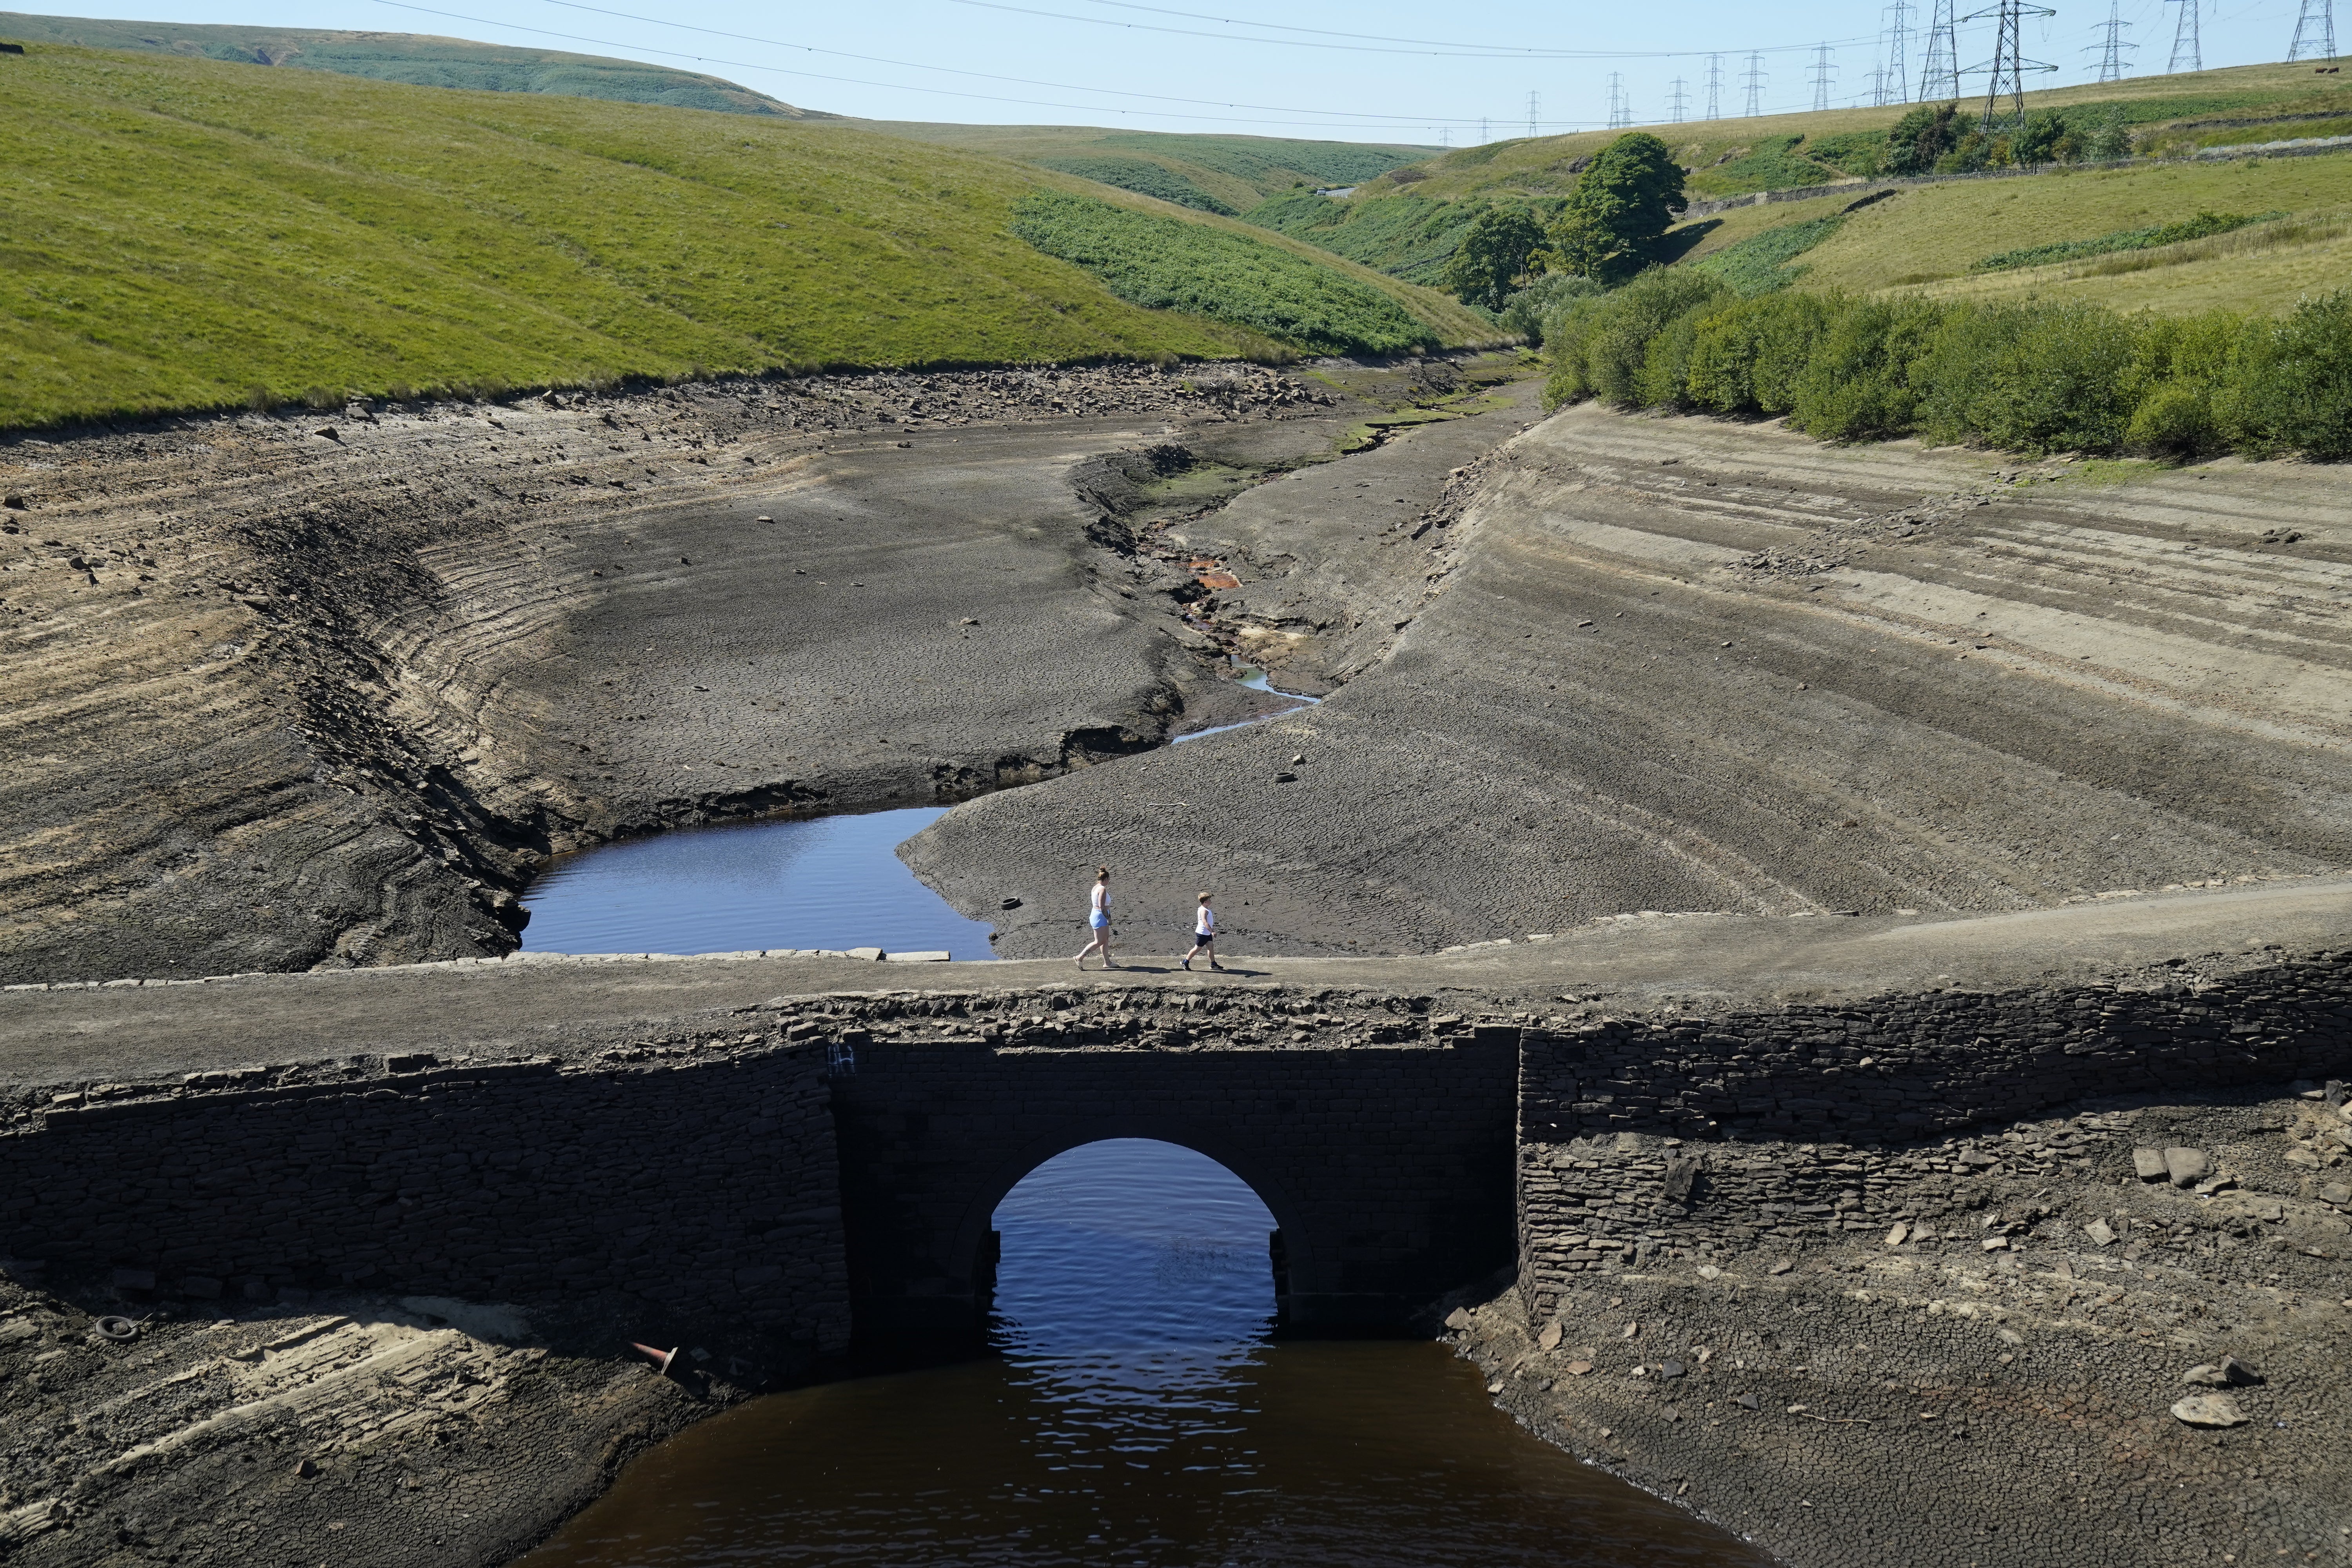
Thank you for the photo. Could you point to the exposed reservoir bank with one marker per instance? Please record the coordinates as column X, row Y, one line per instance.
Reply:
column 1138, row 1410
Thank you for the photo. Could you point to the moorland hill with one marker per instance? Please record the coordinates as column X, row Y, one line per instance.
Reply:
column 190, row 233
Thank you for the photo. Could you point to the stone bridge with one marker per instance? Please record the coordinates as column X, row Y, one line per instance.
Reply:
column 1388, row 1169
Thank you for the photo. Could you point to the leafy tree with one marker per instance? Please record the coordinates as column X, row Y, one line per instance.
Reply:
column 1620, row 210
column 1493, row 257
column 1920, row 138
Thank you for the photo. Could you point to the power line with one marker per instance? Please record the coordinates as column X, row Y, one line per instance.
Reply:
column 1939, row 73
column 908, row 65
column 1755, row 83
column 2185, row 44
column 2111, row 49
column 1432, row 48
column 1620, row 109
column 2315, row 32
column 1823, row 70
column 1677, row 103
column 1336, row 119
column 1715, row 87
column 2009, row 64
column 1897, row 88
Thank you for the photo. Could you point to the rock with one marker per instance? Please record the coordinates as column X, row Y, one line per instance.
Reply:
column 2304, row 1159
column 1495, row 1386
column 1796, row 1409
column 2335, row 1193
column 2009, row 1336
column 305, row 1469
column 1458, row 1318
column 1898, row 1236
column 1578, row 1368
column 2186, row 1166
column 1746, row 1401
column 871, row 955
column 2100, row 1232
column 1994, row 1244
column 1549, row 1339
column 1709, row 1271
column 1670, row 1369
column 1780, row 1268
column 2148, row 1165
column 1631, row 1331
column 2208, row 1410
column 1285, row 778
column 2227, row 1373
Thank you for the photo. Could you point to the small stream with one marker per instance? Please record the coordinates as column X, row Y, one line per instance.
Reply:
column 1137, row 1411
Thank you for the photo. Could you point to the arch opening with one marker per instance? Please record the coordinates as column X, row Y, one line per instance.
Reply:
column 1131, row 1260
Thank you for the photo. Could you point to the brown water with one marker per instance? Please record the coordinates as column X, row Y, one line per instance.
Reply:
column 1138, row 1413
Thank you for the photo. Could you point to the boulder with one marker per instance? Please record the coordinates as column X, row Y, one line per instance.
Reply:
column 2210, row 1410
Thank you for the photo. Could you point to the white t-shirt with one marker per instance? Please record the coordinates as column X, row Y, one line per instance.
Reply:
column 1205, row 922
column 1102, row 898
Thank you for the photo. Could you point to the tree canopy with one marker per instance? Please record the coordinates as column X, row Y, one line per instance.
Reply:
column 1621, row 209
column 1493, row 257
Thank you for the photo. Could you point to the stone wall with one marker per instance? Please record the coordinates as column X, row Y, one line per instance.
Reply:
column 1687, row 1135
column 703, row 1181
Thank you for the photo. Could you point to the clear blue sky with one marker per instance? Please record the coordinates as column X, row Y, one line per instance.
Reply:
column 1374, row 71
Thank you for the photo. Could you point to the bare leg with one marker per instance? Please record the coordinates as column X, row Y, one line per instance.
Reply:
column 1101, row 943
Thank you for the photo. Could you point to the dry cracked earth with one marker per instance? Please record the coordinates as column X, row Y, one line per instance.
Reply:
column 291, row 691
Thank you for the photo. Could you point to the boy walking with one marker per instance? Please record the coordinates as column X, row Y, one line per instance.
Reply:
column 1204, row 935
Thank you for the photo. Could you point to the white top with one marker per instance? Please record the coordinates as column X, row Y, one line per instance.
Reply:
column 1205, row 922
column 1102, row 897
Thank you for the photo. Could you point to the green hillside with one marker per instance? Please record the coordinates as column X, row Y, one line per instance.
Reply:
column 413, row 57
column 1211, row 172
column 181, row 232
column 1409, row 219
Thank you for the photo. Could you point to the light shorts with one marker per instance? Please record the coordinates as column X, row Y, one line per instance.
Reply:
column 1099, row 920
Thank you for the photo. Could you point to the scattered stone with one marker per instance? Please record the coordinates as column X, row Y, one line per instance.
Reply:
column 2186, row 1166
column 1495, row 1386
column 1709, row 1271
column 1746, row 1401
column 305, row 1469
column 2227, row 1373
column 1670, row 1369
column 2304, row 1159
column 1458, row 1318
column 1631, row 1331
column 1780, row 1268
column 1898, row 1236
column 2210, row 1410
column 1578, row 1368
column 1549, row 1339
column 2101, row 1233
column 2148, row 1164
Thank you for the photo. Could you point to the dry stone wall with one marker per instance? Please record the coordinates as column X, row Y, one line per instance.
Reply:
column 1720, row 1133
column 702, row 1180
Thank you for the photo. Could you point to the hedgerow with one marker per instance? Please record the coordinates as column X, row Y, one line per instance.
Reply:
column 1166, row 264
column 2034, row 377
column 2203, row 226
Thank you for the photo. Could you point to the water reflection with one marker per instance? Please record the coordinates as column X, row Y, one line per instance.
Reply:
column 1138, row 1414
column 805, row 882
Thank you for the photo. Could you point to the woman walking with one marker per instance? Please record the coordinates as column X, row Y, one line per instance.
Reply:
column 1204, row 935
column 1099, row 920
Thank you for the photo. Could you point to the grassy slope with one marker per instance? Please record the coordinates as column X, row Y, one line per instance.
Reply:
column 1238, row 171
column 1930, row 235
column 173, row 232
column 1540, row 166
column 417, row 58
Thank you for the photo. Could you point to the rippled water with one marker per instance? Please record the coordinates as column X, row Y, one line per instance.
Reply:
column 1138, row 1413
column 822, row 882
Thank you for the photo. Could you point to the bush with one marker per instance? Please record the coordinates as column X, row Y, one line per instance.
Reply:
column 1619, row 343
column 2289, row 386
column 1859, row 384
column 1524, row 312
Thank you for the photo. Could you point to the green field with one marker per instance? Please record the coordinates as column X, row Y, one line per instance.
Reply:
column 1216, row 174
column 1935, row 238
column 415, row 59
column 184, row 233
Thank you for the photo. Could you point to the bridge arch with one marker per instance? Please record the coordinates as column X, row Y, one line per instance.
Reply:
column 1388, row 1170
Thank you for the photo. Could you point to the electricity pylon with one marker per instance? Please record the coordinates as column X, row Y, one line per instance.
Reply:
column 2185, row 45
column 1939, row 73
column 1715, row 87
column 2315, row 32
column 2008, row 63
column 1823, row 70
column 1897, row 89
column 2111, row 49
column 1620, row 109
column 1677, row 103
column 1755, row 85
column 1531, row 114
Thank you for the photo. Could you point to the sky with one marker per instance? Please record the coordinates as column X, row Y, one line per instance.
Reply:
column 1369, row 71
